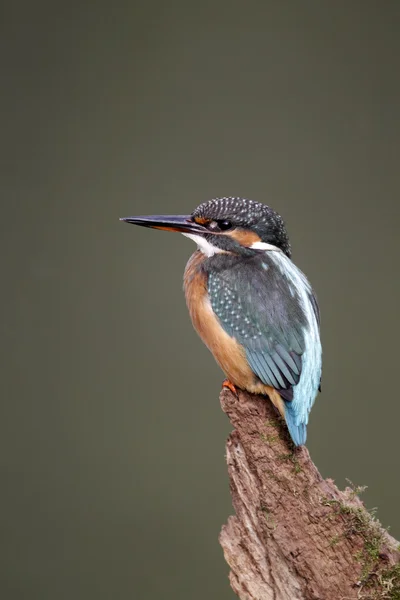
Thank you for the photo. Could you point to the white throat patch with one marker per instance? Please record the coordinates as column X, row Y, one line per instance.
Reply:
column 203, row 245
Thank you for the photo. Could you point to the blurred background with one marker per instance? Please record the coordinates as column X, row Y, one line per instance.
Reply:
column 113, row 479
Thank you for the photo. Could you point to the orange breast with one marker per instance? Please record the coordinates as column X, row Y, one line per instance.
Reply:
column 228, row 353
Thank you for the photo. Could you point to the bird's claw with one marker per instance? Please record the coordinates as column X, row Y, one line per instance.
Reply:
column 228, row 384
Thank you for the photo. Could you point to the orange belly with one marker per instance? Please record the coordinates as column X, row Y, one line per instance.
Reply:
column 228, row 353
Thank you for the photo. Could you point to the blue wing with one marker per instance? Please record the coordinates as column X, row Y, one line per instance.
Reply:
column 266, row 303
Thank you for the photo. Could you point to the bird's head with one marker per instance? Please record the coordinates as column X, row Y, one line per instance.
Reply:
column 234, row 225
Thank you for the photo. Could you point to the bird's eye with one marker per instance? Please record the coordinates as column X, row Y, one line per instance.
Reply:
column 224, row 225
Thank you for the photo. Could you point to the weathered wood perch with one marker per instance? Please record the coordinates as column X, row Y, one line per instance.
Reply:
column 295, row 536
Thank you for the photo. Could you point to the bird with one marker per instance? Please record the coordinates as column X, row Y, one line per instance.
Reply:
column 250, row 304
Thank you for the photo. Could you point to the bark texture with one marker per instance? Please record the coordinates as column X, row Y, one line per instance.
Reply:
column 295, row 536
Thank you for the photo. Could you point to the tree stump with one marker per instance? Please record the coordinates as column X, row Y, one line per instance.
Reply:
column 295, row 536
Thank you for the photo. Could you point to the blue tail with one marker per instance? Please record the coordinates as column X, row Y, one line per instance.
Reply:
column 298, row 432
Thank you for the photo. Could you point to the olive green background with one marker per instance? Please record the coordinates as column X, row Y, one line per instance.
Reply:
column 113, row 481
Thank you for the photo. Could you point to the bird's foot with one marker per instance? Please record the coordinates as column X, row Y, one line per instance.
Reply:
column 228, row 384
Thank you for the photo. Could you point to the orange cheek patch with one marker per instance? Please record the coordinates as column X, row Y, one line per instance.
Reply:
column 201, row 220
column 244, row 237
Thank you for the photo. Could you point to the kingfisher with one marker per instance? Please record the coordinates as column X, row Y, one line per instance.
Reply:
column 250, row 304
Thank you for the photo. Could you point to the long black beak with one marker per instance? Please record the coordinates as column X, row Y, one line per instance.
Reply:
column 181, row 223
